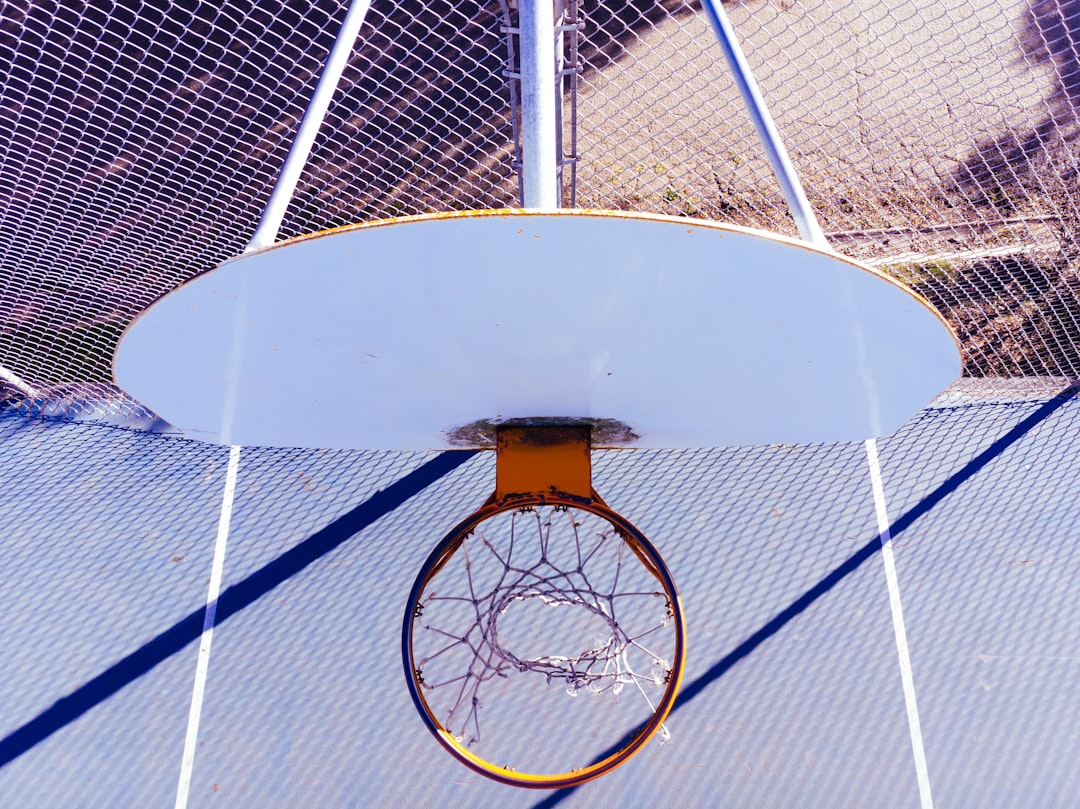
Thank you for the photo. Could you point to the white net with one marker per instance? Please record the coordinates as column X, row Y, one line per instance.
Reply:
column 140, row 141
column 550, row 613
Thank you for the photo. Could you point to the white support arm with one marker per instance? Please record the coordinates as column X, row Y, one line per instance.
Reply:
column 266, row 233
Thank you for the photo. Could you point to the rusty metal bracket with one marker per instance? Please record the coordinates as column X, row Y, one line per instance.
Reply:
column 540, row 460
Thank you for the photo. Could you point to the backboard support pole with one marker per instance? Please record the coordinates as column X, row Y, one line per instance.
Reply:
column 782, row 167
column 270, row 222
column 539, row 116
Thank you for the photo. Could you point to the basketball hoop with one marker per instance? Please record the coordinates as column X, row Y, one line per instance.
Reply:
column 427, row 338
column 544, row 616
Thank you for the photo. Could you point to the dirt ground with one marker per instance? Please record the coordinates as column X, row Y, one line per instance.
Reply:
column 879, row 108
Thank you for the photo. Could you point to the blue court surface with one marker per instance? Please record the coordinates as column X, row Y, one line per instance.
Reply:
column 869, row 624
column 829, row 664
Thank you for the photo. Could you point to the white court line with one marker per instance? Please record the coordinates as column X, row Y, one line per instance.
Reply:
column 907, row 678
column 187, row 763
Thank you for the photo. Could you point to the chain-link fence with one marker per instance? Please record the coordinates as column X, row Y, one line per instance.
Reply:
column 934, row 139
column 139, row 141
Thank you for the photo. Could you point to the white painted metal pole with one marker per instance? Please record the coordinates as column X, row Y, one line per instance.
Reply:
column 781, row 164
column 539, row 161
column 266, row 233
column 17, row 382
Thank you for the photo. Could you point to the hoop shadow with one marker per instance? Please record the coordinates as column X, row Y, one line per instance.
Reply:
column 849, row 566
column 234, row 600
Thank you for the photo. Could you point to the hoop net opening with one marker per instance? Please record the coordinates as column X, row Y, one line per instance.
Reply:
column 543, row 642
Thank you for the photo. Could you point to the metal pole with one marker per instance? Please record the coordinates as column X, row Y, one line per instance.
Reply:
column 266, row 233
column 14, row 380
column 807, row 223
column 536, row 21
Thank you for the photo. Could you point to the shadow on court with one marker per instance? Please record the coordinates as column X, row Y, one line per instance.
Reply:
column 235, row 599
column 693, row 689
column 246, row 592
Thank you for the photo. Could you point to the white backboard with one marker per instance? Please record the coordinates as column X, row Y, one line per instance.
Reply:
column 392, row 335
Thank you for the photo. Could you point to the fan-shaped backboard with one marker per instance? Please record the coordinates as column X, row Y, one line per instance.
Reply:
column 403, row 334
